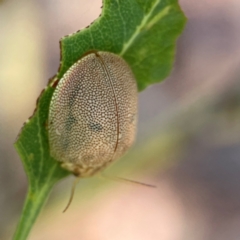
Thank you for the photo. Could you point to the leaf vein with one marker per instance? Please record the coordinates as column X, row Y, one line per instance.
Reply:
column 40, row 144
column 127, row 44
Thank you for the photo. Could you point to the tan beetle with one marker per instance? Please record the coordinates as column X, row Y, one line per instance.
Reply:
column 93, row 113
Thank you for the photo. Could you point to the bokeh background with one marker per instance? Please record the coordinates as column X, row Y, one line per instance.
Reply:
column 188, row 142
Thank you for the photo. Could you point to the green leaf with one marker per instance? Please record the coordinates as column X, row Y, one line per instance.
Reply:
column 144, row 33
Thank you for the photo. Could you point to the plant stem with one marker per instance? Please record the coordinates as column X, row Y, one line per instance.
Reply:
column 33, row 204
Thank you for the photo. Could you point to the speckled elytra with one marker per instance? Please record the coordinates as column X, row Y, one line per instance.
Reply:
column 93, row 113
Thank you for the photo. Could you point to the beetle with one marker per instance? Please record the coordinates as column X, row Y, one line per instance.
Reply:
column 93, row 113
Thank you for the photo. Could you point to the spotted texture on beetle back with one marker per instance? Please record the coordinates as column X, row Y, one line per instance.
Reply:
column 92, row 117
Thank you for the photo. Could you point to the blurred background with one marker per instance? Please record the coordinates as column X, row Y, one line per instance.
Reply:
column 188, row 142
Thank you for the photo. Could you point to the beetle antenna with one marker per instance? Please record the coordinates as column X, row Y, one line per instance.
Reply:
column 128, row 180
column 72, row 193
